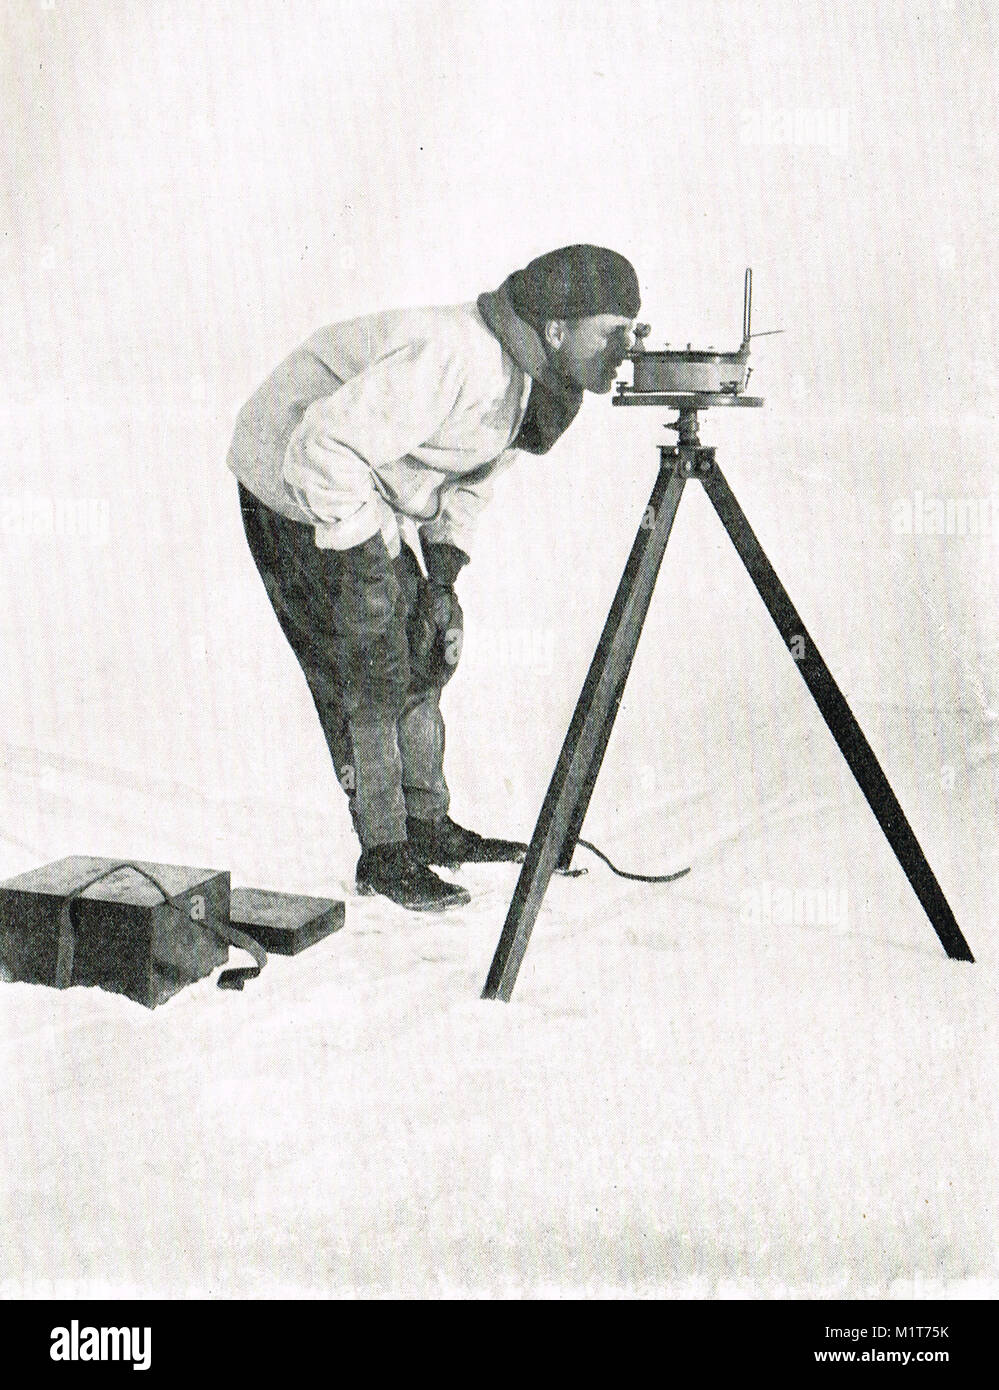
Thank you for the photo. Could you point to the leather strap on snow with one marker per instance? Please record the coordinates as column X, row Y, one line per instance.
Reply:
column 229, row 979
column 237, row 977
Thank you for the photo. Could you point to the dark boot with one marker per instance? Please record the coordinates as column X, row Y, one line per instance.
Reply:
column 444, row 843
column 393, row 871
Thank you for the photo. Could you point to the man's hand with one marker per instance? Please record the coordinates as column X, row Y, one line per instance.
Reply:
column 436, row 620
column 435, row 632
column 444, row 562
column 439, row 603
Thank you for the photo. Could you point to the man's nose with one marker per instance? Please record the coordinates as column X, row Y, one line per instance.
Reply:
column 624, row 340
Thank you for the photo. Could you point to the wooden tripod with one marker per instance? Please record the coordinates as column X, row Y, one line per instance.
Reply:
column 568, row 796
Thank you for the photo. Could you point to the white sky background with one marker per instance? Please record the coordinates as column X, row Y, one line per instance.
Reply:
column 193, row 189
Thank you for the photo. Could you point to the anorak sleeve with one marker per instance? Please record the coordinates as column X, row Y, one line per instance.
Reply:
column 393, row 406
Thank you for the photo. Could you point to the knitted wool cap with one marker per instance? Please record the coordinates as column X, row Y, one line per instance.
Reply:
column 575, row 282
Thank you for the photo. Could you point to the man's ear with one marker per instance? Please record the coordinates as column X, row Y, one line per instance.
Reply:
column 554, row 334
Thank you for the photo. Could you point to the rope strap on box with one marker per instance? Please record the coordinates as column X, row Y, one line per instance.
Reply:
column 229, row 979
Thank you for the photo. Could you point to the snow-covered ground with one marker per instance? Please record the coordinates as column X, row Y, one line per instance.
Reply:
column 710, row 1088
column 764, row 1079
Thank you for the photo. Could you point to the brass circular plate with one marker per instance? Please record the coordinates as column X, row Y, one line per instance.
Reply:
column 688, row 400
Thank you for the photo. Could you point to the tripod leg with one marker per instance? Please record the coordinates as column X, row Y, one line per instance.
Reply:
column 582, row 752
column 839, row 717
column 574, row 824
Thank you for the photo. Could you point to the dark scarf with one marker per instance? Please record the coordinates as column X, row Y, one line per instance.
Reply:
column 554, row 400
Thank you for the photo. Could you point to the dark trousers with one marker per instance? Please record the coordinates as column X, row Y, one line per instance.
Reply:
column 346, row 616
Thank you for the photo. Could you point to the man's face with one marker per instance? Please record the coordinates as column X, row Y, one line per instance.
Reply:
column 589, row 351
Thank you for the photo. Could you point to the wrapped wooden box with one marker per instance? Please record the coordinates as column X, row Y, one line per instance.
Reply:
column 139, row 929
